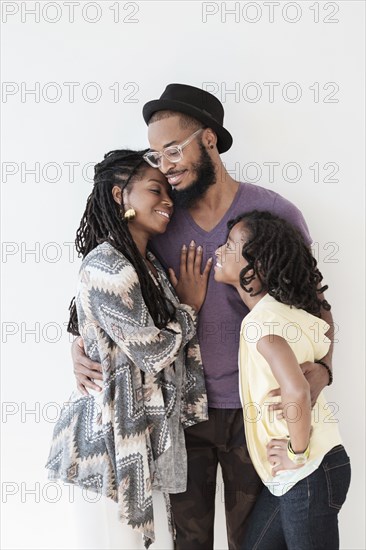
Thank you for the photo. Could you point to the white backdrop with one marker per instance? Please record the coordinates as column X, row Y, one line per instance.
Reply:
column 75, row 77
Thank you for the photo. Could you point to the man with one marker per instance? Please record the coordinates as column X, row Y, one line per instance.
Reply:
column 187, row 136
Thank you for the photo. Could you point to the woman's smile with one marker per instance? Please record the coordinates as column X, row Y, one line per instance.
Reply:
column 164, row 214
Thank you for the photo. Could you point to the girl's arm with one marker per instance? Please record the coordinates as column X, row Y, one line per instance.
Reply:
column 295, row 390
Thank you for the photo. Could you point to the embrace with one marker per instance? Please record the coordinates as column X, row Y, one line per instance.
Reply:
column 204, row 338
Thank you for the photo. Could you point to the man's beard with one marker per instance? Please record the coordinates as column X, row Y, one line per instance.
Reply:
column 205, row 178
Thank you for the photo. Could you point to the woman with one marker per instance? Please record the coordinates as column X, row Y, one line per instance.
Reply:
column 128, row 439
column 299, row 454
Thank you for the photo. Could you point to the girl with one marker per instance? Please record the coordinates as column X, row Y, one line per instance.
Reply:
column 128, row 439
column 299, row 453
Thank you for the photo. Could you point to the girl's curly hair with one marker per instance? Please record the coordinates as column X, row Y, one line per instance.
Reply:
column 281, row 261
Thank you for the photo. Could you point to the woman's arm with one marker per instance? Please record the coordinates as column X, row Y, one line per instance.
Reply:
column 183, row 327
column 295, row 390
column 112, row 301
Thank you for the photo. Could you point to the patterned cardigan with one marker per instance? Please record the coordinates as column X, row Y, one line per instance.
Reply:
column 109, row 442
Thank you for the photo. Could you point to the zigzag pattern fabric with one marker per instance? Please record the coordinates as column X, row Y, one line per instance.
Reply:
column 128, row 439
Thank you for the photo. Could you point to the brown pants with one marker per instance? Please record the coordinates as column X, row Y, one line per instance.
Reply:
column 220, row 440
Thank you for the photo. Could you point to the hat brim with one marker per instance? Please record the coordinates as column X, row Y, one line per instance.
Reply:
column 224, row 138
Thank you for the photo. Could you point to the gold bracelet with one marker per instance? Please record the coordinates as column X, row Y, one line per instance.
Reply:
column 298, row 458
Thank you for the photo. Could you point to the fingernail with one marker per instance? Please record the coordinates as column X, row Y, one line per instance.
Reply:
column 184, row 247
column 192, row 243
column 210, row 259
column 199, row 248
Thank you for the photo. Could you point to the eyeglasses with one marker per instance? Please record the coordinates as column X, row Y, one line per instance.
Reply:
column 174, row 153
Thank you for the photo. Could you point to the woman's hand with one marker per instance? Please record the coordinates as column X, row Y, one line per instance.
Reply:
column 277, row 456
column 85, row 369
column 192, row 285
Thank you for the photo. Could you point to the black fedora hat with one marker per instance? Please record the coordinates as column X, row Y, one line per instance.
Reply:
column 195, row 102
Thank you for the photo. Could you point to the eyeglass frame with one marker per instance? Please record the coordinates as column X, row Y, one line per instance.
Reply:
column 180, row 148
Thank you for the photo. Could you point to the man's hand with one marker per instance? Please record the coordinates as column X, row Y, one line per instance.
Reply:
column 85, row 370
column 318, row 379
column 315, row 374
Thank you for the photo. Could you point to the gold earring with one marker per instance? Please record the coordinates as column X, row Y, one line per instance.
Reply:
column 129, row 214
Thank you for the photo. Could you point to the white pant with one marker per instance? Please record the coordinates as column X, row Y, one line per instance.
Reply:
column 98, row 526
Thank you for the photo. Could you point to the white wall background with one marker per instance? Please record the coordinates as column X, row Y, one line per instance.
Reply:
column 135, row 49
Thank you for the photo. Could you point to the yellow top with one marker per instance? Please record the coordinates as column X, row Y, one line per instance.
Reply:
column 305, row 333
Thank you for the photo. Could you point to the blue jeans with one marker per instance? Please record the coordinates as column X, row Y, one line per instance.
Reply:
column 306, row 517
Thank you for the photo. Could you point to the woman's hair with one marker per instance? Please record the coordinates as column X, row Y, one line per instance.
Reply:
column 103, row 221
column 281, row 261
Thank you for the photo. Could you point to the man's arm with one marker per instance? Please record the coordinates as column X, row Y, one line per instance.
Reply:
column 328, row 318
column 316, row 374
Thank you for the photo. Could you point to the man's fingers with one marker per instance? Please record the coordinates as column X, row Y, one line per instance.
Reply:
column 80, row 342
column 89, row 372
column 92, row 366
column 79, row 357
column 82, row 389
column 87, row 383
column 307, row 367
column 80, row 370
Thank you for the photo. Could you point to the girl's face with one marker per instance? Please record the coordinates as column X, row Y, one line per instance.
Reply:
column 150, row 196
column 229, row 258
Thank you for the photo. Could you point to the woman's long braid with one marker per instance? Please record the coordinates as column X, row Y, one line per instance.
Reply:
column 103, row 221
column 281, row 261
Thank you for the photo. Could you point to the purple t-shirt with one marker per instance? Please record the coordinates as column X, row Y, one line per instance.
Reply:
column 221, row 315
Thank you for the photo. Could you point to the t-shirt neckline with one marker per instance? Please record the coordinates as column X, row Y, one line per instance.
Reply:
column 224, row 219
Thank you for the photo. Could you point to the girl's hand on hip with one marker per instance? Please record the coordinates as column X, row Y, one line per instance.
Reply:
column 277, row 456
